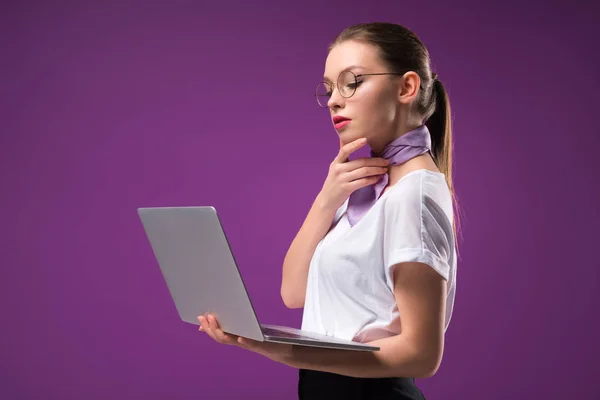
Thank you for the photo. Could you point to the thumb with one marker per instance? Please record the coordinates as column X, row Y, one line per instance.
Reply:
column 245, row 343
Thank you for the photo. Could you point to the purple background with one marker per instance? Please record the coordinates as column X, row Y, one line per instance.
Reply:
column 105, row 108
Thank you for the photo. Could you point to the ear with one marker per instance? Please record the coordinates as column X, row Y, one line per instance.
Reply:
column 409, row 87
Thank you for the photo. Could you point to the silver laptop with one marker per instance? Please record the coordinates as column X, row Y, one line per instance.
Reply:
column 201, row 273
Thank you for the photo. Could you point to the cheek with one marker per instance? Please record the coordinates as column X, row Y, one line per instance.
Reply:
column 379, row 112
column 388, row 112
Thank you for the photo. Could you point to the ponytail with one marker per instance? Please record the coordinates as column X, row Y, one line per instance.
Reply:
column 440, row 128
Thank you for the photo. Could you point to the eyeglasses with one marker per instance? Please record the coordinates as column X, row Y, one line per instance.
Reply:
column 347, row 83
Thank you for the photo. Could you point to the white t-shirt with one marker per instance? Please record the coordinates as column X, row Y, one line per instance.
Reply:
column 350, row 290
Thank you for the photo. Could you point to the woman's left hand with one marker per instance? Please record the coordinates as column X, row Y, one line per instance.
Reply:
column 279, row 352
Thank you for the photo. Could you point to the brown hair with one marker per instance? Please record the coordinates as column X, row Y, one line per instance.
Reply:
column 403, row 51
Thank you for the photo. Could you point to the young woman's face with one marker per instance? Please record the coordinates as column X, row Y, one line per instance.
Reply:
column 373, row 109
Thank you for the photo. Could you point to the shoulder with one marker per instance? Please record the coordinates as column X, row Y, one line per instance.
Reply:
column 420, row 190
column 418, row 221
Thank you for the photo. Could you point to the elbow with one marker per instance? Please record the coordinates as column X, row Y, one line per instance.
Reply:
column 428, row 371
column 426, row 359
column 291, row 301
column 293, row 304
column 429, row 366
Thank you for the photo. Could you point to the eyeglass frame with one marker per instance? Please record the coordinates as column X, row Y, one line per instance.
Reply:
column 356, row 76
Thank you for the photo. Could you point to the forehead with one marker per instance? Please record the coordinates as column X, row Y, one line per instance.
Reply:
column 351, row 53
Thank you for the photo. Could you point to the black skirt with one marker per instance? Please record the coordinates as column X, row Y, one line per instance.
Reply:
column 318, row 385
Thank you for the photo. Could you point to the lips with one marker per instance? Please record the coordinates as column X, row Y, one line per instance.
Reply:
column 338, row 118
column 339, row 122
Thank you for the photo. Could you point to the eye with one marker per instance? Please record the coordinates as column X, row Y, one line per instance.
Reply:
column 354, row 85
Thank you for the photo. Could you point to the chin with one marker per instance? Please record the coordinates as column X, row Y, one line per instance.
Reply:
column 347, row 135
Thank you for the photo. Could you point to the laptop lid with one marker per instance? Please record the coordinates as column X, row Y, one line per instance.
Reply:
column 198, row 266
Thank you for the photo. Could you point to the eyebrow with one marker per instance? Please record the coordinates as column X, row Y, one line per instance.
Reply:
column 326, row 79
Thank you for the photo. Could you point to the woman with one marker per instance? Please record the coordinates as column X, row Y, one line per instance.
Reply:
column 375, row 260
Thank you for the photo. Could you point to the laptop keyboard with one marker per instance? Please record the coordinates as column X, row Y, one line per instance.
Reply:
column 278, row 333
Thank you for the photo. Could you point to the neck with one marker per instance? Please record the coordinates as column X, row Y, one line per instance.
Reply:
column 377, row 145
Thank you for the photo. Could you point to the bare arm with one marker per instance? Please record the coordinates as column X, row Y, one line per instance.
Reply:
column 344, row 178
column 416, row 352
column 297, row 259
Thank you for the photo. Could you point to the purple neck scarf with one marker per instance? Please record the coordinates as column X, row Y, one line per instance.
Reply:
column 406, row 147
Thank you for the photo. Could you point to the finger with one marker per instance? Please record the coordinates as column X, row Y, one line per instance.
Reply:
column 348, row 149
column 220, row 336
column 212, row 326
column 206, row 327
column 341, row 146
column 364, row 162
column 364, row 172
column 202, row 321
column 360, row 183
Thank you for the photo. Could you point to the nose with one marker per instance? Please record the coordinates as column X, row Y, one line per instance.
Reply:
column 336, row 100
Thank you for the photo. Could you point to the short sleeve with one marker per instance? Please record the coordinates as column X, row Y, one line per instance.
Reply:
column 417, row 229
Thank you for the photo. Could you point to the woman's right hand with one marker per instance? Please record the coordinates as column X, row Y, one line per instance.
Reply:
column 346, row 176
